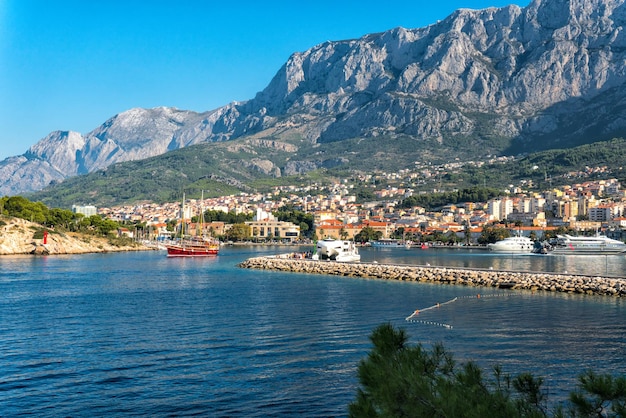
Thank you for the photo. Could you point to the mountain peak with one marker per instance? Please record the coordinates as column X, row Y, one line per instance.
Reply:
column 501, row 79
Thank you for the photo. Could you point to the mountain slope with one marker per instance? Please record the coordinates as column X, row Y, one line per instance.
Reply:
column 164, row 178
column 496, row 80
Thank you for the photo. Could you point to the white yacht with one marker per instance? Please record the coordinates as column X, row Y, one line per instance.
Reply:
column 336, row 250
column 513, row 245
column 598, row 244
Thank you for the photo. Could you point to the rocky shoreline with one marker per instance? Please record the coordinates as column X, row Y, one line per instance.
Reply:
column 17, row 237
column 488, row 278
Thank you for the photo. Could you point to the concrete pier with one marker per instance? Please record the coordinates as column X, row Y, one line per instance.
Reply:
column 488, row 278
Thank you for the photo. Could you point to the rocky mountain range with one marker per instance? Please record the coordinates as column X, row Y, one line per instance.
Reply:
column 498, row 80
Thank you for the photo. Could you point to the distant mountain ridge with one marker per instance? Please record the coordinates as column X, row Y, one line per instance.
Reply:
column 505, row 79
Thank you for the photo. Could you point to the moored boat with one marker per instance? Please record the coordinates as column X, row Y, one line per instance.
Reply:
column 336, row 250
column 195, row 246
column 598, row 244
column 515, row 244
column 387, row 243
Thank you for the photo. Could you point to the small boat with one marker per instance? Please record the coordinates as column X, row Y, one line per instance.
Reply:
column 336, row 250
column 598, row 244
column 387, row 243
column 515, row 244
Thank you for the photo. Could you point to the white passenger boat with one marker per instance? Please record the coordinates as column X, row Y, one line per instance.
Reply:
column 598, row 244
column 513, row 245
column 336, row 250
column 387, row 243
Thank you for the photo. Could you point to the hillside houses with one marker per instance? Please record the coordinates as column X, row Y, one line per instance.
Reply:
column 338, row 214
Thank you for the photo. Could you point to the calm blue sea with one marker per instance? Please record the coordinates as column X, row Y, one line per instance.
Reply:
column 143, row 334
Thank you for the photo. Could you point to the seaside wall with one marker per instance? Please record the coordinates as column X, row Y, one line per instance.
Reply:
column 488, row 278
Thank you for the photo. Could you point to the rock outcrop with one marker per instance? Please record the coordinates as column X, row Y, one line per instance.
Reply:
column 17, row 237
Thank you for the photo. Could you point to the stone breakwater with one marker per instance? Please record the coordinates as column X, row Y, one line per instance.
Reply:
column 454, row 276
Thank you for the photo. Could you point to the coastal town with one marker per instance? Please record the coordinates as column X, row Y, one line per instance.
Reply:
column 588, row 206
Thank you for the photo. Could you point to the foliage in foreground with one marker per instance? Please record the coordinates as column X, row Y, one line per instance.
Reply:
column 398, row 380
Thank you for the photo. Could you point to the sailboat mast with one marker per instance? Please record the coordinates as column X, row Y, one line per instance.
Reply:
column 201, row 221
column 182, row 218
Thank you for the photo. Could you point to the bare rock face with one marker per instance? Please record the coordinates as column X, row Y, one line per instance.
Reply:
column 137, row 134
column 546, row 74
column 21, row 174
column 60, row 150
column 17, row 237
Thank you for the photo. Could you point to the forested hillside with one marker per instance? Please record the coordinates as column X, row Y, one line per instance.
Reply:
column 149, row 180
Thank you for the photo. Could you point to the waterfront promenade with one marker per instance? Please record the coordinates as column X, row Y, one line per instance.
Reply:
column 549, row 282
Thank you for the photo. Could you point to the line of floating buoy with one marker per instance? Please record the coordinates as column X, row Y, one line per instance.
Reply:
column 411, row 317
column 492, row 295
column 438, row 305
column 437, row 324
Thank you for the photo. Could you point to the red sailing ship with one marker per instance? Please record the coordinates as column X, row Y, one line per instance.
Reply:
column 192, row 246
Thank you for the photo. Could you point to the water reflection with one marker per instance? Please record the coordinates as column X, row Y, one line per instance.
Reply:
column 593, row 265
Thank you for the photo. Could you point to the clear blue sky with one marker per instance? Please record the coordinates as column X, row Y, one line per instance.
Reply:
column 71, row 65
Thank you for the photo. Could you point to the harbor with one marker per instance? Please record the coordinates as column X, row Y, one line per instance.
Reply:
column 165, row 333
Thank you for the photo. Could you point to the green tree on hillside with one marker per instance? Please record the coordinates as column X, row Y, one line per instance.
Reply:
column 368, row 234
column 99, row 225
column 492, row 233
column 20, row 207
column 398, row 233
column 61, row 218
column 288, row 213
column 467, row 232
column 226, row 217
column 37, row 212
column 434, row 200
column 238, row 232
column 365, row 195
